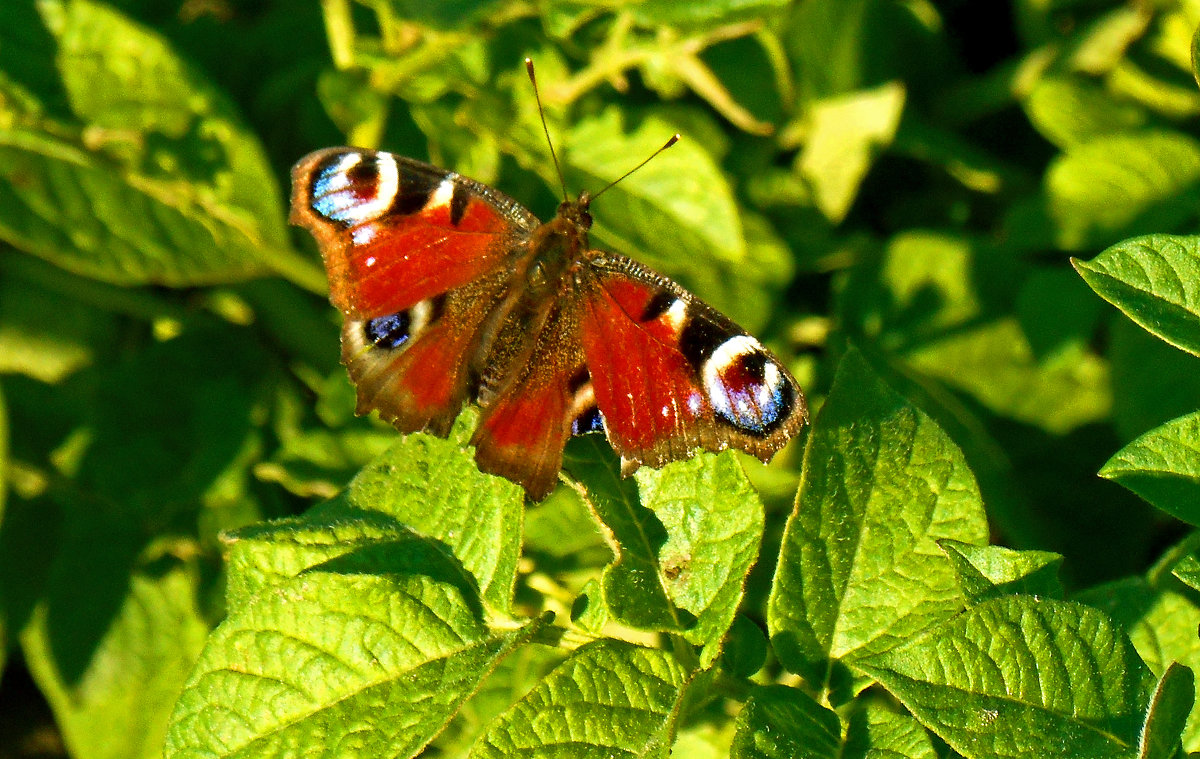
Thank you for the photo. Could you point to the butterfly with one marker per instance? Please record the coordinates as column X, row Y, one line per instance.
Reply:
column 453, row 292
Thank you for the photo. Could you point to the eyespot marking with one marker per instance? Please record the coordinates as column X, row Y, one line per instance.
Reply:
column 353, row 188
column 700, row 339
column 746, row 387
column 390, row 332
column 589, row 420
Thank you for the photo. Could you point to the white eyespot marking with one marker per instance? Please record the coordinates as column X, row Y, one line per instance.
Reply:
column 339, row 195
column 583, row 398
column 676, row 315
column 442, row 196
column 582, row 411
column 745, row 386
column 421, row 315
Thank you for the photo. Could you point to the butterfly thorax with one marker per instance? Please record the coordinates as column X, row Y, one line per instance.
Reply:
column 558, row 246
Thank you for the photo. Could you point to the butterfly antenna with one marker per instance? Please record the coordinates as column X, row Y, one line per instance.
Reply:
column 542, row 112
column 674, row 139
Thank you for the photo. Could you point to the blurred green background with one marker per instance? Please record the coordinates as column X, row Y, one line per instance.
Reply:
column 910, row 177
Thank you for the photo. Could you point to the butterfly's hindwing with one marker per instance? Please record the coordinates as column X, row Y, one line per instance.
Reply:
column 413, row 366
column 543, row 398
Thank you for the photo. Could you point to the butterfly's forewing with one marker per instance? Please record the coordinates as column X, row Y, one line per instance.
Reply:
column 395, row 232
column 417, row 259
column 671, row 374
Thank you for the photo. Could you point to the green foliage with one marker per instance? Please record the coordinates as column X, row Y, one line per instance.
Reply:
column 203, row 552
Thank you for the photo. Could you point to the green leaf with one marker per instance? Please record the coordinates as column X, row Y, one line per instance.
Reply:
column 1162, row 466
column 44, row 335
column 610, row 699
column 1155, row 281
column 846, row 134
column 1169, row 709
column 1072, row 110
column 744, row 651
column 317, row 658
column 422, row 483
column 1017, row 676
column 433, row 486
column 117, row 705
column 779, row 722
column 683, row 548
column 1161, row 622
column 878, row 730
column 714, row 523
column 1121, row 185
column 1196, row 55
column 1188, row 571
column 163, row 184
column 987, row 571
column 515, row 675
column 882, row 483
column 943, row 303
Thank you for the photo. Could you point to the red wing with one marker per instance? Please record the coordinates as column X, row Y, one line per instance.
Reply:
column 395, row 232
column 413, row 366
column 671, row 374
column 541, row 397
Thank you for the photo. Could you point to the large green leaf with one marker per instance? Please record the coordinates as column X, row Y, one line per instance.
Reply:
column 394, row 642
column 878, row 729
column 116, row 707
column 1070, row 110
column 1168, row 711
column 1162, row 466
column 1123, row 184
column 881, row 484
column 422, row 484
column 714, row 522
column 1019, row 676
column 847, row 132
column 1154, row 280
column 1161, row 622
column 155, row 179
column 779, row 722
column 683, row 547
column 610, row 699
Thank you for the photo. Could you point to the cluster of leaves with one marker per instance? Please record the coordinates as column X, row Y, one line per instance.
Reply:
column 906, row 178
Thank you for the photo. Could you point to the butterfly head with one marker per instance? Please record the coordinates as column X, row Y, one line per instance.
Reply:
column 575, row 212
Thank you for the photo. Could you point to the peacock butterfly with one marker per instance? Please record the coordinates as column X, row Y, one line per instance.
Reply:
column 453, row 291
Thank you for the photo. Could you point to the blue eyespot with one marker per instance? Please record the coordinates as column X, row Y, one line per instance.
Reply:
column 389, row 331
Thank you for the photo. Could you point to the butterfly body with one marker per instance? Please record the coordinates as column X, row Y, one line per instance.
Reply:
column 454, row 293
